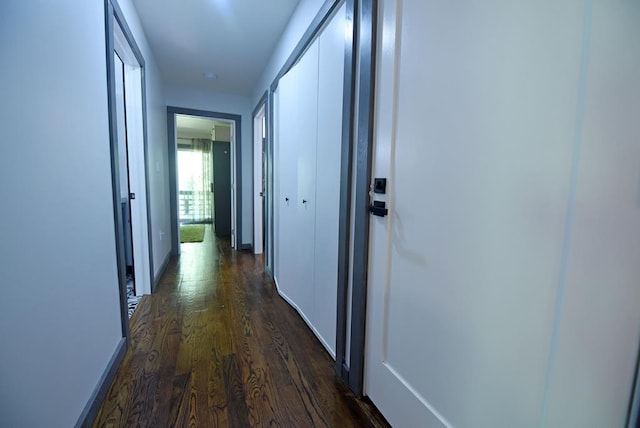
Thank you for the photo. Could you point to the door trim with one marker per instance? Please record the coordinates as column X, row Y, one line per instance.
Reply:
column 173, row 177
column 115, row 176
column 366, row 57
column 113, row 12
column 113, row 17
column 346, row 176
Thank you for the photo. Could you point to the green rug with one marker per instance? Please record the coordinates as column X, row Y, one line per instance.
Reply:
column 191, row 232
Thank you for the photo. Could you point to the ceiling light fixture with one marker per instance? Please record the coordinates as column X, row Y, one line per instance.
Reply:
column 209, row 75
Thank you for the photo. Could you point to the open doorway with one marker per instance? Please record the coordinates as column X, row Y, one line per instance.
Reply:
column 204, row 170
column 129, row 165
column 204, row 176
column 259, row 177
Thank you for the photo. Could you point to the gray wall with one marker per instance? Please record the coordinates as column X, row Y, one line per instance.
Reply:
column 59, row 311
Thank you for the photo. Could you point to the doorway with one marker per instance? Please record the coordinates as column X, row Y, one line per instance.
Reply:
column 127, row 114
column 259, row 178
column 219, row 189
column 204, row 173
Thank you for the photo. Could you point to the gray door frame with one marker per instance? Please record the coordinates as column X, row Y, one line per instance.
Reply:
column 113, row 17
column 357, row 136
column 366, row 13
column 173, row 176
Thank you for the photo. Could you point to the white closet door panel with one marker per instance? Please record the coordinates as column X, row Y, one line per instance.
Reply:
column 328, row 156
column 599, row 325
column 285, row 168
column 306, row 125
column 276, row 185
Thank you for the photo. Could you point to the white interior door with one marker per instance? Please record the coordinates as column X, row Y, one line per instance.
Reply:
column 296, row 171
column 137, row 179
column 286, row 191
column 307, row 161
column 328, row 158
column 258, row 181
column 305, row 126
column 135, row 157
column 487, row 277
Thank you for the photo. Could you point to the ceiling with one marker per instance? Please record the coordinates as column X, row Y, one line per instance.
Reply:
column 232, row 38
column 196, row 127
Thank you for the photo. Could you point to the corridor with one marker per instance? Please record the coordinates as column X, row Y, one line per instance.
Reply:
column 216, row 346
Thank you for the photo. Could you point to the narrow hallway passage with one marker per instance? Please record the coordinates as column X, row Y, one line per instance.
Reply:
column 216, row 346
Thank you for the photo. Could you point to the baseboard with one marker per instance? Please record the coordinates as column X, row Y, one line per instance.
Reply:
column 163, row 267
column 90, row 411
column 245, row 247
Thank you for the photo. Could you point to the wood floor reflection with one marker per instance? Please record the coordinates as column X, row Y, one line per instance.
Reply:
column 216, row 346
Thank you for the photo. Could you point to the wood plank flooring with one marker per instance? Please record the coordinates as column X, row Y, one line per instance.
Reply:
column 216, row 346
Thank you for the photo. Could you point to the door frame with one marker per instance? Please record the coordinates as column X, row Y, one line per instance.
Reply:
column 173, row 172
column 260, row 214
column 113, row 17
column 366, row 49
column 136, row 159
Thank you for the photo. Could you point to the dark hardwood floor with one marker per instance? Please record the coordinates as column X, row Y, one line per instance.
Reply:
column 216, row 346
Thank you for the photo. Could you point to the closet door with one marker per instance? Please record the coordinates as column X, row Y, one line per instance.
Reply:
column 328, row 158
column 306, row 128
column 285, row 177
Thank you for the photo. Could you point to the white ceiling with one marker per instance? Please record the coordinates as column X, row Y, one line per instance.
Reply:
column 232, row 38
column 196, row 127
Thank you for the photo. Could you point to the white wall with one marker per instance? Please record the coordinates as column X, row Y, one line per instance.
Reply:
column 298, row 24
column 157, row 153
column 59, row 311
column 177, row 96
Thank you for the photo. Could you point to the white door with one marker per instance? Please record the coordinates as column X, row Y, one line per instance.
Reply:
column 258, row 181
column 133, row 133
column 307, row 162
column 328, row 158
column 479, row 128
column 285, row 188
column 296, row 171
column 306, row 131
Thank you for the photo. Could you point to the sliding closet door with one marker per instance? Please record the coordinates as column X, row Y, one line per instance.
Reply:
column 308, row 148
column 328, row 156
column 306, row 128
column 285, row 177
